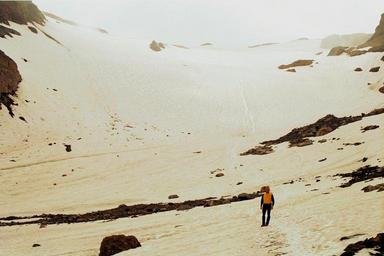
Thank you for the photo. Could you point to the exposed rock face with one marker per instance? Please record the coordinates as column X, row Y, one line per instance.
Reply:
column 358, row 69
column 4, row 31
column 376, row 243
column 381, row 89
column 117, row 243
column 376, row 42
column 9, row 81
column 20, row 12
column 297, row 63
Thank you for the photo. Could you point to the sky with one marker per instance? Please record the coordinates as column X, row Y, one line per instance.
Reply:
column 223, row 22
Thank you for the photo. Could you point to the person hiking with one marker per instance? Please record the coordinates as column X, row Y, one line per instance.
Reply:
column 266, row 204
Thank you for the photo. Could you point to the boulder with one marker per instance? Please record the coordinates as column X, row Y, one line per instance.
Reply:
column 173, row 196
column 117, row 243
column 358, row 69
column 155, row 46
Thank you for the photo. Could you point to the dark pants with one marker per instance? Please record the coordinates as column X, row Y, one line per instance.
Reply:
column 266, row 209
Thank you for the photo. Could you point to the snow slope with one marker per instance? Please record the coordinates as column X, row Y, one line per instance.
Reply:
column 134, row 119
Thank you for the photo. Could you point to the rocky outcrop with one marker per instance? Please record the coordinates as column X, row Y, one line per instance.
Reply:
column 369, row 127
column 301, row 142
column 124, row 211
column 352, row 45
column 112, row 245
column 298, row 136
column 376, row 243
column 374, row 69
column 376, row 42
column 321, row 127
column 362, row 174
column 258, row 150
column 351, row 51
column 337, row 51
column 297, row 63
column 9, row 81
column 20, row 12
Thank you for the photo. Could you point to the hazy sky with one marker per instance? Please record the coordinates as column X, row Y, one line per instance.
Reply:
column 224, row 22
